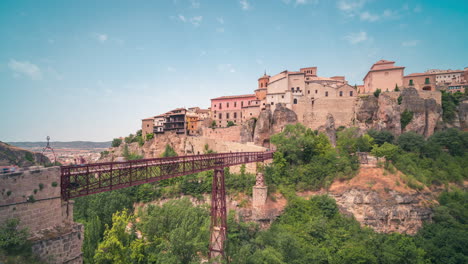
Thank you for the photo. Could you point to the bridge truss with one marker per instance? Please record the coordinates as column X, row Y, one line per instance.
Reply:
column 87, row 179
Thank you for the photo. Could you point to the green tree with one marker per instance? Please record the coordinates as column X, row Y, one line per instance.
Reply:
column 169, row 152
column 387, row 150
column 116, row 142
column 230, row 124
column 92, row 237
column 149, row 136
column 380, row 137
column 406, row 118
column 115, row 247
column 397, row 89
column 213, row 124
column 12, row 239
column 411, row 141
column 377, row 92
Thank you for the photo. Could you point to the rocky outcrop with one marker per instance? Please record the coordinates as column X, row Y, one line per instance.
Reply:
column 395, row 212
column 384, row 112
column 282, row 116
column 11, row 155
column 263, row 127
column 463, row 113
column 329, row 129
column 383, row 201
column 247, row 131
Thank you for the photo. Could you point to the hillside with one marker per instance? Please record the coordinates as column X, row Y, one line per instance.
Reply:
column 59, row 144
column 12, row 155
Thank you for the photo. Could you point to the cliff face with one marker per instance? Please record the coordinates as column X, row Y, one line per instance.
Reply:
column 384, row 113
column 271, row 123
column 383, row 202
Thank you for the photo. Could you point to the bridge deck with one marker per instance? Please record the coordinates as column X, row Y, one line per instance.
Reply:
column 81, row 180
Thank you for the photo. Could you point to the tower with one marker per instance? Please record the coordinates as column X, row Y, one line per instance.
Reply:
column 261, row 91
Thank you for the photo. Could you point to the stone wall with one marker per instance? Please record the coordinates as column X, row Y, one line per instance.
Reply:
column 33, row 197
column 223, row 133
column 342, row 110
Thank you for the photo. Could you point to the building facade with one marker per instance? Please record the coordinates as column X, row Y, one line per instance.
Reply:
column 159, row 124
column 421, row 81
column 176, row 121
column 229, row 108
column 147, row 125
column 383, row 75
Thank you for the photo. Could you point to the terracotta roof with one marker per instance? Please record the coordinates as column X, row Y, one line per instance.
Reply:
column 420, row 74
column 384, row 62
column 234, row 96
column 384, row 69
column 149, row 118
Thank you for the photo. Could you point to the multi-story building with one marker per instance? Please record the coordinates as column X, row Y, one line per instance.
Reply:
column 176, row 121
column 383, row 75
column 229, row 108
column 159, row 123
column 289, row 87
column 445, row 77
column 421, row 81
column 192, row 123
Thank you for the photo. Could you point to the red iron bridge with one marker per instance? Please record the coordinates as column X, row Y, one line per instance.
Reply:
column 87, row 179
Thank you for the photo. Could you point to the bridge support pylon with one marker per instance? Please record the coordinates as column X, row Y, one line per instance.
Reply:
column 218, row 228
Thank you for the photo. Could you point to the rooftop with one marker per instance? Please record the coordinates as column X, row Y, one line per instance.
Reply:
column 234, row 96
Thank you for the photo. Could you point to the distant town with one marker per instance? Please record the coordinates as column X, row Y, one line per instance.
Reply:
column 300, row 90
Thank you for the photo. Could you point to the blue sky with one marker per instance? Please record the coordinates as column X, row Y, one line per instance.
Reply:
column 91, row 70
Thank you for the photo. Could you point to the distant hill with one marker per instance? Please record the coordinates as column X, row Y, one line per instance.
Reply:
column 12, row 155
column 59, row 144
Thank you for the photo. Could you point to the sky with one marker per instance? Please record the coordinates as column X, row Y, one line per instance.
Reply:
column 91, row 70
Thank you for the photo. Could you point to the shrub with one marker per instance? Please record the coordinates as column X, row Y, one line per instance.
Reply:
column 116, row 142
column 149, row 136
column 230, row 124
column 406, row 118
column 54, row 184
column 381, row 137
column 377, row 92
column 29, row 156
column 213, row 124
column 400, row 98
column 411, row 142
column 12, row 239
column 396, row 88
column 41, row 186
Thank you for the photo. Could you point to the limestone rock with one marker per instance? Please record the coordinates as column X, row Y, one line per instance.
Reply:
column 282, row 117
column 330, row 130
column 262, row 128
column 247, row 131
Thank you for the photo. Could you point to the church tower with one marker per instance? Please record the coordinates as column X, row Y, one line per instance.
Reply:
column 261, row 91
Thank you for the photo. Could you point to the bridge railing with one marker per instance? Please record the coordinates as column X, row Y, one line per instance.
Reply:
column 86, row 179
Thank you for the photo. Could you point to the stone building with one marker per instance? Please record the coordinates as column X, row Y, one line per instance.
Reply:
column 192, row 123
column 229, row 108
column 159, row 123
column 383, row 75
column 147, row 126
column 421, row 81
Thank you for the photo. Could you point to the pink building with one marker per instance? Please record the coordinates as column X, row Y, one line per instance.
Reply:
column 229, row 108
column 383, row 75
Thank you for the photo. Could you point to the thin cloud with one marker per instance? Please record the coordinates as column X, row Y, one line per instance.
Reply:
column 25, row 68
column 226, row 68
column 101, row 37
column 220, row 30
column 245, row 5
column 410, row 43
column 182, row 18
column 305, row 2
column 194, row 4
column 355, row 38
column 366, row 16
column 350, row 6
column 196, row 20
column 220, row 20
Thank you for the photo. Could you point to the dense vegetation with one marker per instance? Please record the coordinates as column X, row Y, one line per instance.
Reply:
column 309, row 231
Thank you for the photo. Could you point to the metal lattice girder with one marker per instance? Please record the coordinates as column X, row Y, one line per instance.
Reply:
column 86, row 179
column 218, row 228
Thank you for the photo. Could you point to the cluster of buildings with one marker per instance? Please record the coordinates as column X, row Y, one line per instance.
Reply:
column 299, row 90
column 385, row 75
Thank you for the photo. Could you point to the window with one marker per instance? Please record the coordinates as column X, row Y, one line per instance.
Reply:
column 235, row 115
column 326, row 93
column 220, row 116
column 341, row 93
column 411, row 82
column 295, row 101
column 227, row 115
column 248, row 102
column 242, row 103
column 147, row 125
column 220, row 106
column 261, row 85
column 308, row 92
column 214, row 106
column 282, row 96
column 350, row 93
column 272, row 103
column 297, row 88
column 316, row 91
column 427, row 81
column 235, row 104
column 256, row 102
column 227, row 105
column 292, row 89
